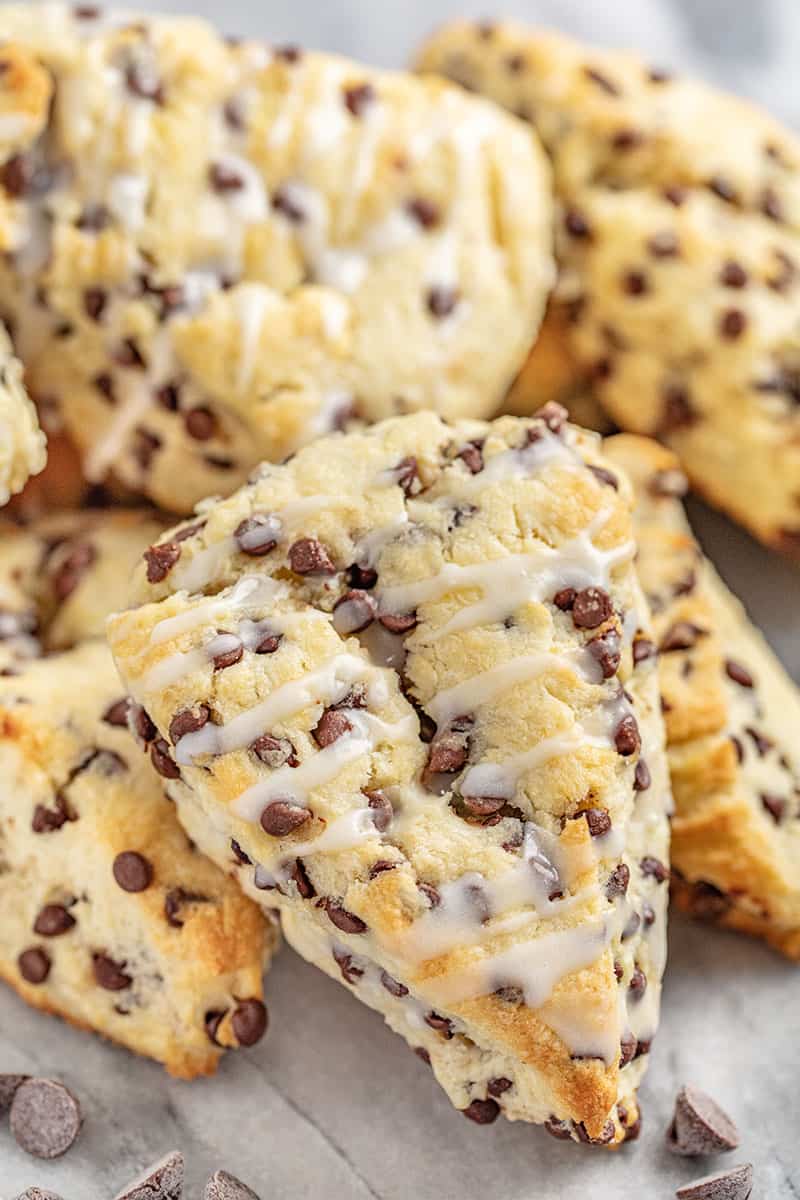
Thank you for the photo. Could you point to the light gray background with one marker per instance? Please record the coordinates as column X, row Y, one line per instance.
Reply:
column 332, row 1104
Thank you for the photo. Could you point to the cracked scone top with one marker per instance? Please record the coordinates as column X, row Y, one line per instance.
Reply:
column 110, row 917
column 216, row 252
column 387, row 679
column 731, row 715
column 678, row 241
column 22, row 445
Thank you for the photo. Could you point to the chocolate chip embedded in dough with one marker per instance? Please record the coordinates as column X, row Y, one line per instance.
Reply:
column 618, row 880
column 188, row 720
column 735, row 1184
column 738, row 673
column 441, row 301
column 161, row 1181
column 174, row 902
column 117, row 713
column 332, row 725
column 354, row 611
column 597, row 819
column 627, row 738
column 346, row 921
column 45, row 1118
column 282, row 817
column 591, row 607
column 258, row 534
column 482, row 1112
column 654, row 868
column 34, row 965
column 132, row 871
column 441, row 1024
column 109, row 974
column 392, row 985
column 162, row 760
column 358, row 98
column 683, row 635
column 274, row 751
column 160, row 560
column 700, row 1126
column 382, row 811
column 53, row 920
column 308, row 556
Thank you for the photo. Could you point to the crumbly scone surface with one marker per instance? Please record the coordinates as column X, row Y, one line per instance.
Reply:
column 731, row 716
column 22, row 444
column 678, row 240
column 387, row 679
column 216, row 252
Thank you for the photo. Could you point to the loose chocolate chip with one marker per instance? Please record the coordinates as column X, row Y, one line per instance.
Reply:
column 393, row 985
column 304, row 885
column 188, row 720
column 626, row 736
column 358, row 98
column 606, row 651
column 775, row 806
column 307, row 556
column 735, row 1184
column 200, row 423
column 109, row 974
column 654, row 869
column 160, row 560
column 346, row 921
column 449, row 750
column 683, row 635
column 228, row 658
column 382, row 811
column 72, row 569
column 732, row 324
column 597, row 819
column 249, row 1022
column 53, row 920
column 354, row 611
column 617, row 882
column 117, row 713
column 733, row 275
column 398, row 623
column 497, row 1086
column 162, row 760
column 591, row 607
column 576, row 224
column 700, row 1126
column 282, row 817
column 224, row 178
column 442, row 301
column 425, row 212
column 738, row 673
column 258, row 534
column 132, row 871
column 348, row 965
column 441, row 1024
column 160, row 1181
column 34, row 965
column 638, row 984
column 332, row 725
column 222, row 1186
column 45, row 1118
column 641, row 776
column 482, row 1112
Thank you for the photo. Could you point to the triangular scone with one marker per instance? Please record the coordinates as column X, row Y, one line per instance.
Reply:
column 387, row 682
column 217, row 250
column 732, row 719
column 22, row 445
column 678, row 242
column 110, row 918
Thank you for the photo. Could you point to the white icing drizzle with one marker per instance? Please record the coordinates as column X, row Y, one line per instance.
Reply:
column 486, row 686
column 253, row 591
column 251, row 301
column 500, row 779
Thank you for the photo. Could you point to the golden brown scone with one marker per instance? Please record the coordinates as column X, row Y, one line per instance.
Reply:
column 218, row 251
column 110, row 918
column 732, row 718
column 387, row 677
column 678, row 240
column 22, row 444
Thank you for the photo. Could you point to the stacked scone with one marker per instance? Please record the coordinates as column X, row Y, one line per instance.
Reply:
column 423, row 685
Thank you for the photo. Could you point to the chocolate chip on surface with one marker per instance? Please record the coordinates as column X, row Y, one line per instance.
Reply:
column 282, row 817
column 160, row 560
column 188, row 720
column 34, row 965
column 308, row 556
column 738, row 673
column 53, row 920
column 250, row 1020
column 346, row 921
column 332, row 725
column 117, row 713
column 735, row 1184
column 162, row 760
column 110, row 974
column 161, row 1181
column 222, row 1186
column 618, row 880
column 258, row 534
column 591, row 607
column 354, row 611
column 132, row 871
column 45, row 1118
column 627, row 738
column 700, row 1126
column 597, row 819
column 654, row 868
column 382, row 811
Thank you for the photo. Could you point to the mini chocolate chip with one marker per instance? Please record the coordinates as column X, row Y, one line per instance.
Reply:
column 626, row 736
column 110, row 974
column 159, row 1181
column 212, row 1021
column 497, row 1086
column 224, row 178
column 431, row 894
column 174, row 902
column 617, row 882
column 733, row 275
column 398, row 622
column 627, row 139
column 188, row 720
column 591, row 607
column 393, row 985
column 162, row 761
column 94, row 302
column 274, row 751
column 358, row 98
column 240, row 855
column 762, row 743
column 132, row 871
column 734, row 1184
column 34, row 965
column 638, row 984
column 354, row 611
column 774, row 805
column 683, row 635
column 732, row 324
column 45, row 1118
column 472, row 457
column 627, row 1048
column 441, row 1024
column 565, row 598
column 200, row 423
column 348, row 965
column 670, row 482
column 653, row 868
column 282, row 817
column 382, row 811
column 117, row 713
column 648, row 915
column 700, row 1126
column 677, row 411
column 441, row 301
column 346, row 921
column 576, row 224
column 606, row 651
column 597, row 819
column 449, row 750
column 482, row 1112
column 558, row 1129
column 406, row 475
column 288, row 54
column 142, row 724
column 128, row 354
column 249, row 1022
column 738, row 673
column 641, row 776
column 422, row 1053
column 606, row 477
column 482, row 806
column 53, row 920
column 49, row 820
column 602, row 80
column 631, row 927
column 663, row 245
column 160, row 560
column 302, row 881
column 71, row 569
column 258, row 534
column 307, row 556
column 145, row 446
column 425, row 212
column 381, row 867
column 228, row 658
column 332, row 725
column 635, row 283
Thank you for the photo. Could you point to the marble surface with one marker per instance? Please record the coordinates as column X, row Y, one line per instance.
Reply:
column 332, row 1103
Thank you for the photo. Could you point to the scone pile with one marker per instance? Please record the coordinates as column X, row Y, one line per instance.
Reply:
column 427, row 686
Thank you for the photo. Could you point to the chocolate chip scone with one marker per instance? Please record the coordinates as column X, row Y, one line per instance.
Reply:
column 22, row 445
column 732, row 717
column 678, row 239
column 340, row 216
column 111, row 919
column 393, row 680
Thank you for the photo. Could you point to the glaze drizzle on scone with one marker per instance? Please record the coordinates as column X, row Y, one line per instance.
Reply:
column 392, row 683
